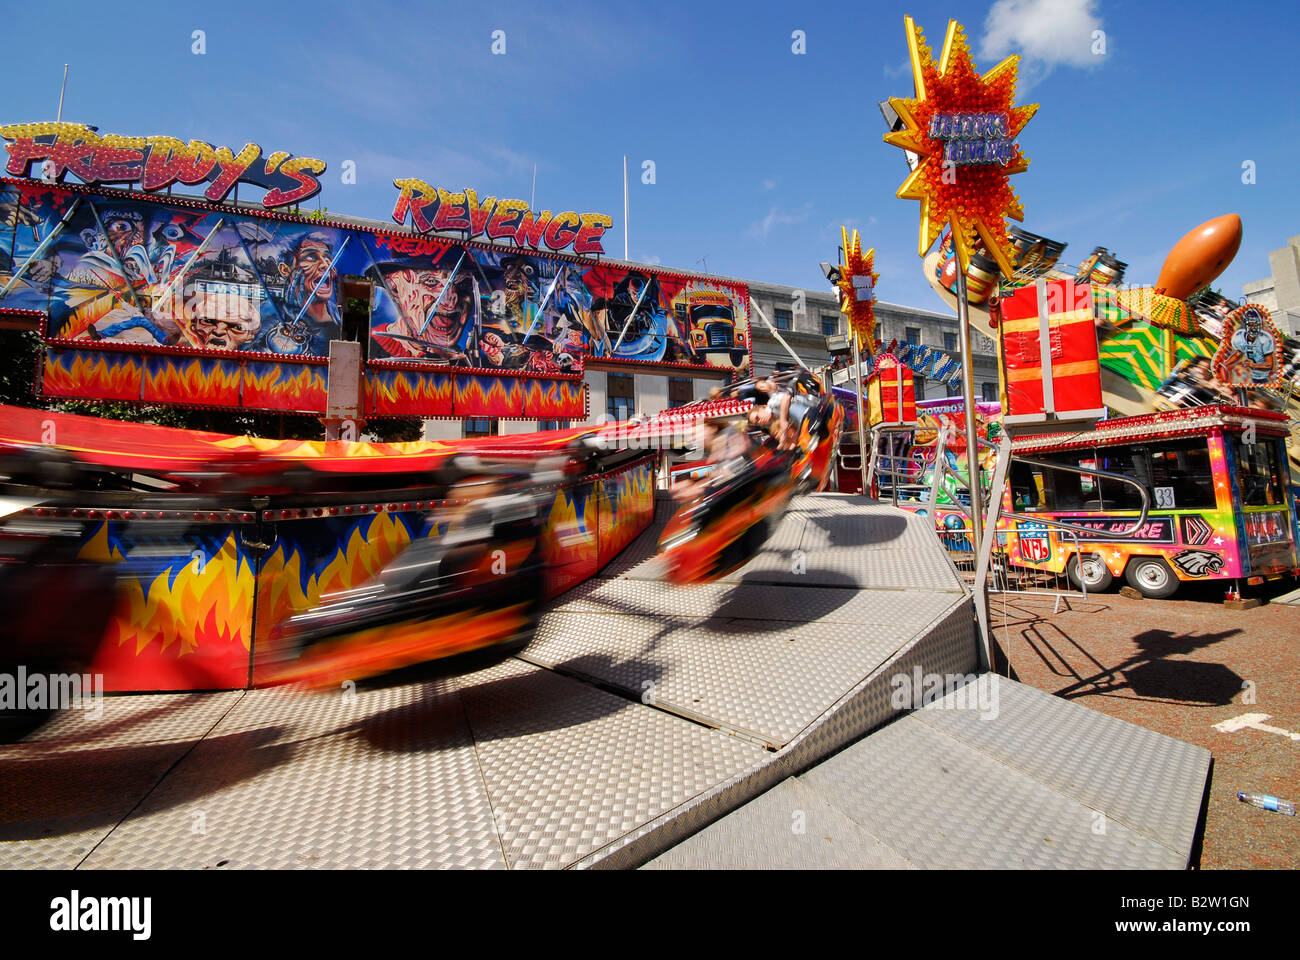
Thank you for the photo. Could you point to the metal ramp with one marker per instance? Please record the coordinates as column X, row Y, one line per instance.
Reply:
column 639, row 715
column 1038, row 783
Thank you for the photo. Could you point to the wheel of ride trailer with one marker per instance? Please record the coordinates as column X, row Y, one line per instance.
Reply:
column 1089, row 572
column 1152, row 577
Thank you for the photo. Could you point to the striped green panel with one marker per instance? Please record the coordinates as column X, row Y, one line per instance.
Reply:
column 1136, row 351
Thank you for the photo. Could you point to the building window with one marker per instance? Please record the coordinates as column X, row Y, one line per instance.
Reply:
column 918, row 385
column 552, row 424
column 783, row 318
column 912, row 334
column 620, row 396
column 989, row 392
column 681, row 391
column 950, row 343
column 830, row 325
column 480, row 427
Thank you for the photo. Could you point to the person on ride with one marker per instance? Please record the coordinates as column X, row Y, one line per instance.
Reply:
column 782, row 414
column 721, row 443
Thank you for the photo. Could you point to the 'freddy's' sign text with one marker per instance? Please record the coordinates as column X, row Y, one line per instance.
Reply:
column 157, row 162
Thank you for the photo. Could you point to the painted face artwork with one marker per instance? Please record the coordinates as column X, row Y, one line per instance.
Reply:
column 227, row 333
column 1249, row 356
column 518, row 281
column 125, row 230
column 308, row 268
column 418, row 304
column 431, row 298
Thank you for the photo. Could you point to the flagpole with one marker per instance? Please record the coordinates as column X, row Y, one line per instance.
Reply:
column 62, row 90
column 625, row 256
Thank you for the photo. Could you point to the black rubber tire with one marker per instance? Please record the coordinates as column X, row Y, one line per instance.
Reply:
column 1099, row 576
column 1152, row 578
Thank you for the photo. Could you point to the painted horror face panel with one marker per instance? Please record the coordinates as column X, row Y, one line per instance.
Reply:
column 428, row 295
column 125, row 229
column 138, row 246
column 308, row 266
column 231, row 328
column 434, row 309
column 518, row 275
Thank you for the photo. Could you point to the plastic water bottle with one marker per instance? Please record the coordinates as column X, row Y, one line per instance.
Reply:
column 1265, row 802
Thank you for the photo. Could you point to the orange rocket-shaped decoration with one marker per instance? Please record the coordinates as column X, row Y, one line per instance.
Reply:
column 1193, row 264
column 1199, row 257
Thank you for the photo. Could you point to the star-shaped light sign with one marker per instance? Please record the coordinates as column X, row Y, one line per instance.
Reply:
column 858, row 291
column 963, row 127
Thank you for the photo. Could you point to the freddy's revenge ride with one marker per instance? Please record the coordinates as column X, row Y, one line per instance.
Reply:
column 236, row 560
column 215, row 562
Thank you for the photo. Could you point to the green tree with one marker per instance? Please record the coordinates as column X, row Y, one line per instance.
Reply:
column 20, row 357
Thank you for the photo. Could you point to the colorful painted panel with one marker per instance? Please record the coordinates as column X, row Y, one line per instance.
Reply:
column 315, row 556
column 286, row 387
column 100, row 374
column 571, row 544
column 1251, row 351
column 442, row 301
column 488, row 396
column 409, row 393
column 626, row 508
column 135, row 269
column 184, row 606
column 547, row 399
column 201, row 381
column 138, row 270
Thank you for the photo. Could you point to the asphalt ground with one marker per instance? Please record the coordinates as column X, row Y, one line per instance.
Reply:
column 1180, row 666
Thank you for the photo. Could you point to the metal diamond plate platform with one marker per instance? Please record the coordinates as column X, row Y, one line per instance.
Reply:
column 992, row 775
column 641, row 715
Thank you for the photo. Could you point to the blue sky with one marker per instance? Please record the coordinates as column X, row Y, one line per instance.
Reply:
column 760, row 154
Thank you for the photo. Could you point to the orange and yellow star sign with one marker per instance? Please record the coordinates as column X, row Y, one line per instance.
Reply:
column 858, row 291
column 963, row 127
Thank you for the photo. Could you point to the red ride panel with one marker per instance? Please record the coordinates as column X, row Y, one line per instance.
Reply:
column 1071, row 351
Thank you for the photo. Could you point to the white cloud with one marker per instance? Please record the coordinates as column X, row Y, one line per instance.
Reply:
column 1046, row 33
column 851, row 223
column 776, row 217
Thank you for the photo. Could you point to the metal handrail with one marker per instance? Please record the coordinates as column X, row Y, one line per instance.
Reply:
column 1092, row 472
column 942, row 464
